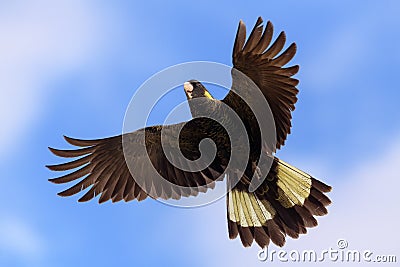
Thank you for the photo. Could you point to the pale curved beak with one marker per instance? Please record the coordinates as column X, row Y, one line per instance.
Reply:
column 188, row 89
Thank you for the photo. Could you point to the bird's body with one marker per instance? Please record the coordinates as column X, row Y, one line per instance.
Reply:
column 284, row 203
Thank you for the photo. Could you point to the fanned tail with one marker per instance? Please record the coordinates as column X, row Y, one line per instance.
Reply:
column 285, row 204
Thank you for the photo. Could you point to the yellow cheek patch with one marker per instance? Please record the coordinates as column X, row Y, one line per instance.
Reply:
column 208, row 95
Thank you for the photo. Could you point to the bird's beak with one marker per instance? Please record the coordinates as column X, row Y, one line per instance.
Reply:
column 188, row 89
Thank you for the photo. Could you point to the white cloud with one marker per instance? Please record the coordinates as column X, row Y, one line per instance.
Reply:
column 20, row 241
column 38, row 40
column 364, row 213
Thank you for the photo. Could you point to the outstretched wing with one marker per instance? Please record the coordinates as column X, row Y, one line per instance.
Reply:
column 261, row 63
column 103, row 166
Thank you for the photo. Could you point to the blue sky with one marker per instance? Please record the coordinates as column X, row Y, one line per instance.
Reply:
column 71, row 68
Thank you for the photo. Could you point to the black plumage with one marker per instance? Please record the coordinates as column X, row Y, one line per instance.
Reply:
column 286, row 201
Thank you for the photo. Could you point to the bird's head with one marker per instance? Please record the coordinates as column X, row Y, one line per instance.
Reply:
column 194, row 89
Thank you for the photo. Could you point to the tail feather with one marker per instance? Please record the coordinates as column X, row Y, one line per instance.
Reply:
column 285, row 204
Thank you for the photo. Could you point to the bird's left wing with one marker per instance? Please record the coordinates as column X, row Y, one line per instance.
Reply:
column 103, row 166
column 260, row 62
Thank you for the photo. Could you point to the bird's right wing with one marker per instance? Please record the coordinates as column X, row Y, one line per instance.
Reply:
column 103, row 166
